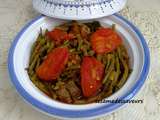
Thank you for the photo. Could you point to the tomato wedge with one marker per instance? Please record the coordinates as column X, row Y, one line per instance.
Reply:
column 105, row 40
column 53, row 65
column 92, row 72
column 59, row 35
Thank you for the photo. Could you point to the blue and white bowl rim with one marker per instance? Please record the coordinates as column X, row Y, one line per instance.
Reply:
column 85, row 113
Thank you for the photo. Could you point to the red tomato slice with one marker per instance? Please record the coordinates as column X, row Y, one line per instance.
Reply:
column 92, row 72
column 105, row 40
column 53, row 65
column 60, row 35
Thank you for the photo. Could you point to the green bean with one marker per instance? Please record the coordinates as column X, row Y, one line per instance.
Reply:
column 42, row 87
column 58, row 84
column 114, row 27
column 51, row 46
column 34, row 52
column 111, row 80
column 43, row 51
column 130, row 71
column 51, row 91
column 95, row 98
column 34, row 78
column 78, row 52
column 44, row 48
column 110, row 69
column 109, row 91
column 118, row 71
column 124, row 52
column 39, row 42
column 119, row 53
column 45, row 33
column 72, row 50
column 68, row 74
column 87, row 42
column 38, row 83
column 73, row 67
column 48, row 44
column 33, row 64
column 109, row 59
column 126, row 69
column 99, row 57
column 117, row 65
column 38, row 63
column 125, row 74
column 112, row 76
column 53, row 94
column 107, row 84
column 91, row 53
column 40, row 34
column 80, row 42
column 80, row 102
column 104, row 59
column 66, row 43
column 64, row 78
column 42, row 41
column 33, row 49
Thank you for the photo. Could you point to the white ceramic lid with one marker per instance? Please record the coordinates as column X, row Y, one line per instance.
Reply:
column 78, row 9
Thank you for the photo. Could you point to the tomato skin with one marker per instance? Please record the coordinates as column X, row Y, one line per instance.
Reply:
column 59, row 35
column 92, row 72
column 105, row 40
column 53, row 65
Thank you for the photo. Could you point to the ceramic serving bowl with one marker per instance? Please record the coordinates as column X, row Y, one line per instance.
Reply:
column 18, row 60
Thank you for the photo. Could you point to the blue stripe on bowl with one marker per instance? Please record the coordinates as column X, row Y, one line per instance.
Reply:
column 85, row 113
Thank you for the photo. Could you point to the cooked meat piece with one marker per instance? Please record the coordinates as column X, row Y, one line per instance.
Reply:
column 64, row 95
column 75, row 29
column 73, row 89
column 85, row 31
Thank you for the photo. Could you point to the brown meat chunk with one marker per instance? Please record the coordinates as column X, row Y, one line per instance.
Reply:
column 64, row 95
column 85, row 31
column 75, row 29
column 73, row 89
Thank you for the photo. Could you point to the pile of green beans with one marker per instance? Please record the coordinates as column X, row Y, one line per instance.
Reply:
column 116, row 69
column 41, row 47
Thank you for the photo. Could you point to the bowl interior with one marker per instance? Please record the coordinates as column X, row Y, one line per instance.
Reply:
column 23, row 48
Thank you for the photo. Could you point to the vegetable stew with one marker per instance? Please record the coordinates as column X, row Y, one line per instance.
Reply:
column 79, row 63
